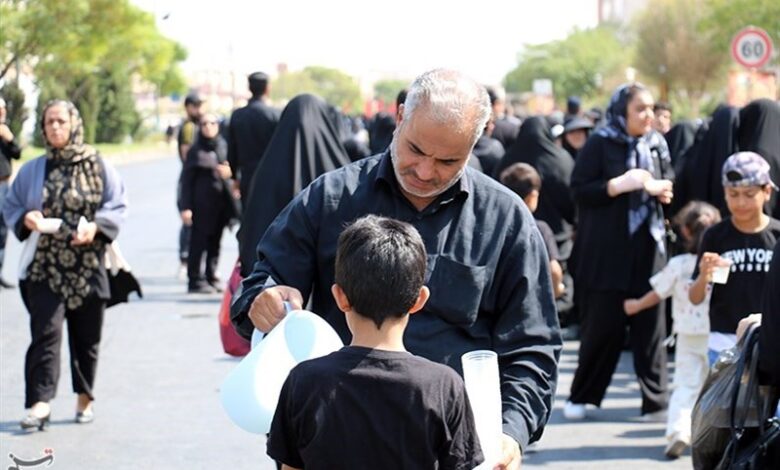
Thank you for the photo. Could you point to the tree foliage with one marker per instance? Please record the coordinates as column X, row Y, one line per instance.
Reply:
column 334, row 86
column 117, row 115
column 580, row 64
column 724, row 18
column 14, row 103
column 387, row 90
column 675, row 52
column 82, row 49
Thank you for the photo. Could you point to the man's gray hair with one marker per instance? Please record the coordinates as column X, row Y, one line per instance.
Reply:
column 450, row 96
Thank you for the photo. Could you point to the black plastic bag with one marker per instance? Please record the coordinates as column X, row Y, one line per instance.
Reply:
column 730, row 425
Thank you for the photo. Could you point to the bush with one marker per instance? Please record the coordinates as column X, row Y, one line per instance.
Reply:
column 117, row 116
column 14, row 103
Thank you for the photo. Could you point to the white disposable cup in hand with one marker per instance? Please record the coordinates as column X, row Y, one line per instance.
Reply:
column 720, row 273
column 49, row 224
column 480, row 373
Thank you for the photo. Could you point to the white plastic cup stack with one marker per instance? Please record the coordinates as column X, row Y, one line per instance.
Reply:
column 480, row 373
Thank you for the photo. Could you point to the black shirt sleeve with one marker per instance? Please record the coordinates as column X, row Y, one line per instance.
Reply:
column 549, row 240
column 282, row 444
column 589, row 179
column 462, row 451
column 768, row 344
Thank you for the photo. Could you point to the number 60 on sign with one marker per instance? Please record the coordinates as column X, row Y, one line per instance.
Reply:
column 751, row 47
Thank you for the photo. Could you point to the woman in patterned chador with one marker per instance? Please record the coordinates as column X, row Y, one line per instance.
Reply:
column 64, row 276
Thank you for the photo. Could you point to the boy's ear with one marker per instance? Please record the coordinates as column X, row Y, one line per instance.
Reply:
column 422, row 297
column 341, row 298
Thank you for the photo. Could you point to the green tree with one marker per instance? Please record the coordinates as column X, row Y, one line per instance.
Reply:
column 724, row 18
column 14, row 101
column 580, row 64
column 77, row 43
column 387, row 90
column 676, row 53
column 117, row 116
column 334, row 86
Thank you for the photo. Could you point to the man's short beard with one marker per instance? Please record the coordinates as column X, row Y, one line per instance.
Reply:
column 413, row 192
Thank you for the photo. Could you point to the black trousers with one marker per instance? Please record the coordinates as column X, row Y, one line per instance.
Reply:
column 42, row 363
column 602, row 335
column 203, row 242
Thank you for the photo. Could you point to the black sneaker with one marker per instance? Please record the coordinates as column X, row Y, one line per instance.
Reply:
column 201, row 289
column 216, row 284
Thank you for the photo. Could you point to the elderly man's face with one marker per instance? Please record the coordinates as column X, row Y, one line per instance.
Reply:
column 428, row 157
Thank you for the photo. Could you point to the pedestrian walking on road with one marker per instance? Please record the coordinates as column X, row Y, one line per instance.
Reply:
column 188, row 133
column 68, row 204
column 621, row 180
column 249, row 133
column 691, row 323
column 305, row 146
column 9, row 150
column 207, row 202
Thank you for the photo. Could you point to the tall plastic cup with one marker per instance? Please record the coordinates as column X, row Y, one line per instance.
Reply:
column 480, row 373
column 250, row 393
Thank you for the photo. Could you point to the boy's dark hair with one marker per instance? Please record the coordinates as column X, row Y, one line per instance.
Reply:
column 696, row 217
column 662, row 106
column 258, row 83
column 380, row 265
column 521, row 178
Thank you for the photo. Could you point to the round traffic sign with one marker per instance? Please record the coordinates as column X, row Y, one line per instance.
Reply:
column 751, row 47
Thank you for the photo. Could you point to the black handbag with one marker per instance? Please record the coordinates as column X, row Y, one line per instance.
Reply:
column 732, row 424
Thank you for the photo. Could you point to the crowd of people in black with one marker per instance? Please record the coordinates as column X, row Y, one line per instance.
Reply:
column 629, row 209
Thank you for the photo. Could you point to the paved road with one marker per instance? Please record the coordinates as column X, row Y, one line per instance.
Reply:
column 161, row 364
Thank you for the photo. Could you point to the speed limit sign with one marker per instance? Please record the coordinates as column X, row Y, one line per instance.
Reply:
column 751, row 47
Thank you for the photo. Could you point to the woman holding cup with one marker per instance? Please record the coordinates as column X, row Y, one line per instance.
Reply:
column 735, row 254
column 68, row 204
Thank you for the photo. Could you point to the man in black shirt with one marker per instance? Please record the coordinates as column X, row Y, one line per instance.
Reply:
column 487, row 265
column 9, row 150
column 251, row 128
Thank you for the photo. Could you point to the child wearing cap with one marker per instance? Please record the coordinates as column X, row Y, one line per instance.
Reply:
column 742, row 242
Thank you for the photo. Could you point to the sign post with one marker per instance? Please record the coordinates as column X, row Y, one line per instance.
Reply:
column 751, row 47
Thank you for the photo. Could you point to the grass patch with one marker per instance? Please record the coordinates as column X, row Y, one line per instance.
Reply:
column 106, row 150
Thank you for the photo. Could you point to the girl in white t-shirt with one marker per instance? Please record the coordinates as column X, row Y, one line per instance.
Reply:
column 691, row 323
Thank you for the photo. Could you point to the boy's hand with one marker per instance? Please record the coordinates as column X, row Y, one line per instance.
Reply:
column 510, row 454
column 267, row 309
column 709, row 261
column 631, row 306
column 745, row 323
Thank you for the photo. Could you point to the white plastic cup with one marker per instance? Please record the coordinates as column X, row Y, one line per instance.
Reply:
column 720, row 274
column 483, row 387
column 49, row 225
column 250, row 393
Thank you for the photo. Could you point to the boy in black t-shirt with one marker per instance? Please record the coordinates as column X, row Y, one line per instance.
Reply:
column 743, row 243
column 372, row 404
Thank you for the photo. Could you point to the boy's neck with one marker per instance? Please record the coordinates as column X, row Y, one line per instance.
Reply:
column 389, row 337
column 753, row 225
